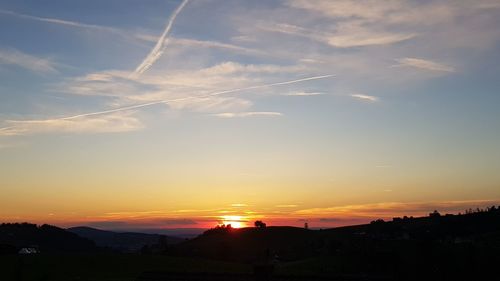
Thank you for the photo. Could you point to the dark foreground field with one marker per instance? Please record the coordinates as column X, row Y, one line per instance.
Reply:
column 128, row 267
column 104, row 267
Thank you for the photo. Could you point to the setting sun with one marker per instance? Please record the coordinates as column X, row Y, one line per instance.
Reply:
column 234, row 221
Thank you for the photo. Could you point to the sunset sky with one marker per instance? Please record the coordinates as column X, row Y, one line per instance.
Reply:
column 126, row 114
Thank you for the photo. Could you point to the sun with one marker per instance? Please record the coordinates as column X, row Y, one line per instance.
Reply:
column 234, row 221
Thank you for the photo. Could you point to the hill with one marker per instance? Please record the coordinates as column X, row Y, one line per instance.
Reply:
column 46, row 238
column 456, row 246
column 249, row 244
column 124, row 242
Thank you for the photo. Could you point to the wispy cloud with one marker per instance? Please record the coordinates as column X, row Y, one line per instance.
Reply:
column 392, row 209
column 158, row 50
column 111, row 123
column 239, row 205
column 366, row 38
column 194, row 43
column 211, row 104
column 303, row 94
column 365, row 97
column 345, row 36
column 372, row 11
column 60, row 21
column 70, row 123
column 247, row 114
column 140, row 223
column 29, row 62
column 425, row 64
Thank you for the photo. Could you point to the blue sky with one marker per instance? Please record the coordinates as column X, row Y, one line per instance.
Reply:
column 364, row 101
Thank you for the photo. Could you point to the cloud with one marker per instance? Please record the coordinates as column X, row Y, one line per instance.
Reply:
column 233, row 67
column 366, row 38
column 287, row 206
column 345, row 35
column 178, row 83
column 29, row 62
column 211, row 104
column 303, row 94
column 109, row 123
column 365, row 97
column 393, row 209
column 158, row 50
column 140, row 223
column 193, row 43
column 186, row 100
column 62, row 22
column 239, row 205
column 373, row 11
column 247, row 114
column 138, row 36
column 425, row 64
column 114, row 121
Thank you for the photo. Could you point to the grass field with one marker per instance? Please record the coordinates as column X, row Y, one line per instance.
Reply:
column 103, row 267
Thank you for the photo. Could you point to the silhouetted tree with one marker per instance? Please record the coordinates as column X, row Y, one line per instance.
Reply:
column 377, row 221
column 259, row 224
column 435, row 214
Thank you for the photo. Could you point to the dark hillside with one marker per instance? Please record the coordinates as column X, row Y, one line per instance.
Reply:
column 250, row 244
column 122, row 241
column 451, row 247
column 46, row 238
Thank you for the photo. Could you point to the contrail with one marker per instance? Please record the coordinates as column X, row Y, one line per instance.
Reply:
column 157, row 51
column 181, row 99
column 58, row 21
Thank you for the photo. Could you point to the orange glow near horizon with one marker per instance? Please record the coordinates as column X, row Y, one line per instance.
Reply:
column 234, row 221
column 240, row 215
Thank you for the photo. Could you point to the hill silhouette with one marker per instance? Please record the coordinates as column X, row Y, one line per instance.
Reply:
column 249, row 244
column 451, row 247
column 122, row 241
column 47, row 238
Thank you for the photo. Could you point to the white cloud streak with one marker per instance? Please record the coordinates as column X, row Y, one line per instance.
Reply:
column 158, row 50
column 303, row 94
column 365, row 97
column 194, row 43
column 112, row 123
column 425, row 64
column 63, row 22
column 136, row 36
column 346, row 36
column 14, row 129
column 247, row 114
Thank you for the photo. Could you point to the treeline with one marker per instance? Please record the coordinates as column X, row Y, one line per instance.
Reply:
column 437, row 214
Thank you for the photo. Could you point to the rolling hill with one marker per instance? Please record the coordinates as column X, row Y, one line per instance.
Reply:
column 46, row 238
column 122, row 241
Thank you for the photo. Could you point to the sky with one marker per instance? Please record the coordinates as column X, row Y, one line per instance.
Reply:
column 126, row 114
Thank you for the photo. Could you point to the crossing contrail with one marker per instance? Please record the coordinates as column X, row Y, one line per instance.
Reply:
column 167, row 101
column 157, row 51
